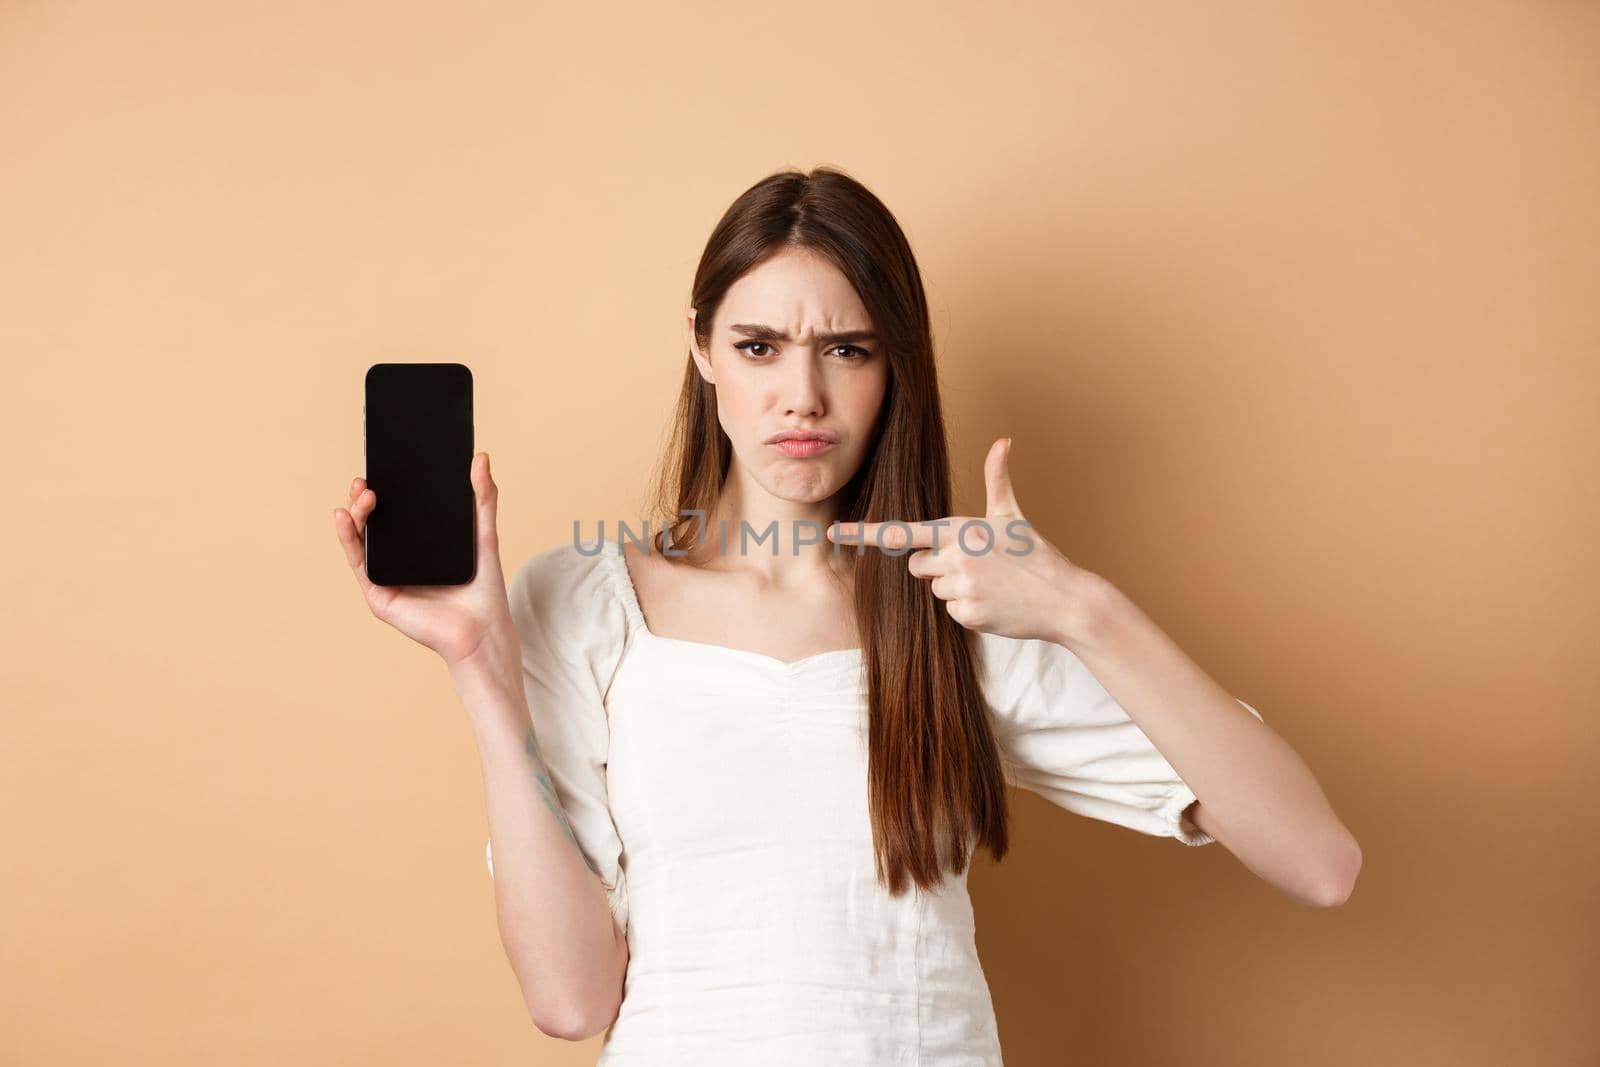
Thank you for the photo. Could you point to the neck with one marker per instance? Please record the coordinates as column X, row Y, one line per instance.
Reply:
column 785, row 540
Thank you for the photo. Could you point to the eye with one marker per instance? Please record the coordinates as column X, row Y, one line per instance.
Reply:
column 852, row 353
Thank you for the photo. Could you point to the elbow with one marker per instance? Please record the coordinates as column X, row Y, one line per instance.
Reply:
column 572, row 1025
column 551, row 1023
column 1338, row 878
column 587, row 1006
column 581, row 1013
column 552, row 1028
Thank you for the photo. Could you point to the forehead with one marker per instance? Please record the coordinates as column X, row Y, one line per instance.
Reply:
column 796, row 291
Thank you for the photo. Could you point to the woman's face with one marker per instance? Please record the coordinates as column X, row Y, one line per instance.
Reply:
column 792, row 348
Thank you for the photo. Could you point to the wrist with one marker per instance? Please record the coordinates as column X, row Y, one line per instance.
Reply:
column 1087, row 602
column 496, row 707
column 494, row 667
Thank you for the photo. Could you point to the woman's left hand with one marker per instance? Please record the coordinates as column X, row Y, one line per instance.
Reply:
column 994, row 573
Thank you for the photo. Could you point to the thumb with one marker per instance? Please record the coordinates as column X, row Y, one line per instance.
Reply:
column 488, row 495
column 997, row 480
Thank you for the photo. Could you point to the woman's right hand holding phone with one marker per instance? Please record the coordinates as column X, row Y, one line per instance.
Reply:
column 469, row 625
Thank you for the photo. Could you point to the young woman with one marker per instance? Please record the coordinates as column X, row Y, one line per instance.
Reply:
column 735, row 768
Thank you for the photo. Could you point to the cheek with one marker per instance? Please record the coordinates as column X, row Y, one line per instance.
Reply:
column 864, row 397
column 739, row 408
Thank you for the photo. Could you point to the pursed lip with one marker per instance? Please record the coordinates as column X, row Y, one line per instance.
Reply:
column 803, row 435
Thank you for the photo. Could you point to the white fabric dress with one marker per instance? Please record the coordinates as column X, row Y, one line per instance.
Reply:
column 721, row 794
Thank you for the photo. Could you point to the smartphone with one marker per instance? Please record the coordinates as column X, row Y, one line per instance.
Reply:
column 418, row 429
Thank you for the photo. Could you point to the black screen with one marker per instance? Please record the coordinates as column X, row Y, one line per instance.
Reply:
column 419, row 463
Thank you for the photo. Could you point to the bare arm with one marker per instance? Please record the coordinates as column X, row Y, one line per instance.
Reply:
column 565, row 947
column 1258, row 797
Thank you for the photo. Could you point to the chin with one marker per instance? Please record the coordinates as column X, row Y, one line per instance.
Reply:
column 810, row 488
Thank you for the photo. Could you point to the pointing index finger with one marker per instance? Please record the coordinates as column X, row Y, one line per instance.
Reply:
column 892, row 533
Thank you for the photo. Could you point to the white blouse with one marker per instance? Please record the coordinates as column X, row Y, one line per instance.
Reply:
column 722, row 796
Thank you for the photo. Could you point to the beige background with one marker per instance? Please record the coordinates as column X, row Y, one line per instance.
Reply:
column 1291, row 311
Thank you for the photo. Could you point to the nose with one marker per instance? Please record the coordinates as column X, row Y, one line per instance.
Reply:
column 803, row 387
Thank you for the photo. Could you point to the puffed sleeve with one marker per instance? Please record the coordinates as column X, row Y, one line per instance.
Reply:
column 573, row 629
column 1063, row 736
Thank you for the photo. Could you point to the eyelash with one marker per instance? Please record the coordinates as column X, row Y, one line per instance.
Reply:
column 744, row 346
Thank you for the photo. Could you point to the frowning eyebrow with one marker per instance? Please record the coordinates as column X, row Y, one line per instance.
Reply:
column 768, row 333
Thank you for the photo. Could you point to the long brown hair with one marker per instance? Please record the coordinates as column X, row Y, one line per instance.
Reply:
column 935, row 783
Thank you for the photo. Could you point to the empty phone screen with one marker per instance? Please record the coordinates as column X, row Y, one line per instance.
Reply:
column 419, row 463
